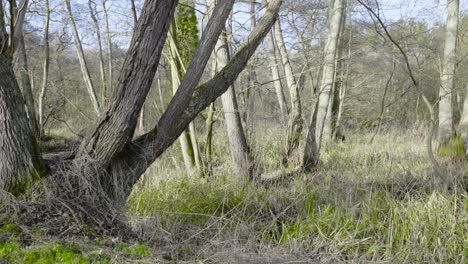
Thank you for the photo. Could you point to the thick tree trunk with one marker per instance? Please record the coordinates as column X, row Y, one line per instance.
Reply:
column 296, row 123
column 81, row 57
column 446, row 125
column 240, row 151
column 275, row 74
column 323, row 129
column 19, row 153
column 45, row 73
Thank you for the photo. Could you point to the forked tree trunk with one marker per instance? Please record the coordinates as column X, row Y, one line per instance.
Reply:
column 275, row 74
column 296, row 123
column 446, row 125
column 323, row 129
column 45, row 73
column 106, row 142
column 81, row 57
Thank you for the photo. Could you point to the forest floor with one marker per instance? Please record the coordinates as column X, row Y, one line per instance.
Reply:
column 376, row 202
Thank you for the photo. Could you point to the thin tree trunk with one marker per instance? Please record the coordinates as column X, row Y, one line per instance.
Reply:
column 252, row 82
column 323, row 130
column 209, row 141
column 240, row 151
column 102, row 71
column 446, row 125
column 276, row 76
column 296, row 123
column 463, row 126
column 81, row 57
column 45, row 72
column 109, row 52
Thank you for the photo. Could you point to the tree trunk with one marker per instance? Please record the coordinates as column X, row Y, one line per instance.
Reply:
column 252, row 82
column 189, row 101
column 276, row 76
column 463, row 126
column 446, row 125
column 109, row 52
column 81, row 57
column 102, row 71
column 22, row 69
column 20, row 161
column 240, row 151
column 296, row 123
column 323, row 129
column 45, row 73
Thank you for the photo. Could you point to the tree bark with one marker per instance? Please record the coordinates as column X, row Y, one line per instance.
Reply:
column 323, row 129
column 446, row 125
column 81, row 57
column 296, row 123
column 20, row 162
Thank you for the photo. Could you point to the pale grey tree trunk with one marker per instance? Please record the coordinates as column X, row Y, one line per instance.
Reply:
column 45, row 69
column 323, row 128
column 295, row 123
column 463, row 126
column 102, row 71
column 240, row 152
column 252, row 82
column 446, row 125
column 109, row 52
column 81, row 57
column 275, row 74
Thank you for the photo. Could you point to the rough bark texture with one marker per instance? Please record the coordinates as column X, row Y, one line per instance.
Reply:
column 81, row 57
column 296, row 123
column 446, row 125
column 323, row 129
column 19, row 153
column 276, row 76
column 240, row 151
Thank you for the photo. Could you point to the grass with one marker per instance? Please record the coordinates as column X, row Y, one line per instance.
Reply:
column 369, row 203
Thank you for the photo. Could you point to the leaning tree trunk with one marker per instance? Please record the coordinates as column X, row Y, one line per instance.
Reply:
column 446, row 126
column 81, row 57
column 296, row 123
column 112, row 135
column 323, row 128
column 19, row 153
